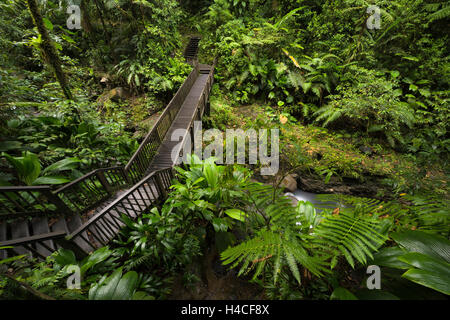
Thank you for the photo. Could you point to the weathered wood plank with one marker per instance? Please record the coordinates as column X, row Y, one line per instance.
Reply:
column 19, row 229
column 40, row 226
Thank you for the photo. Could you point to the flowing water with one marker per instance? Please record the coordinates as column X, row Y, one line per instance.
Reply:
column 312, row 197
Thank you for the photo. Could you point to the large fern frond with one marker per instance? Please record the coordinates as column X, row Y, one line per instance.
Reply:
column 443, row 13
column 269, row 246
column 354, row 237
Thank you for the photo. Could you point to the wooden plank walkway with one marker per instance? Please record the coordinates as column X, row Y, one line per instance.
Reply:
column 183, row 120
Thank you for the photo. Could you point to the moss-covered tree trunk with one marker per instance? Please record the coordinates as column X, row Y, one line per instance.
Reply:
column 48, row 49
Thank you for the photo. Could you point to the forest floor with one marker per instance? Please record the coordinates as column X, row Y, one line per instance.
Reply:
column 216, row 282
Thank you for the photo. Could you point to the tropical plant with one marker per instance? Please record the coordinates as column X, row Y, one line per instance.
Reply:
column 29, row 170
column 118, row 287
column 372, row 104
column 424, row 256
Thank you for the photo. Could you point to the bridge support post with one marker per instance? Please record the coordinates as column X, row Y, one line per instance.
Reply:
column 208, row 108
column 160, row 185
column 101, row 177
column 60, row 204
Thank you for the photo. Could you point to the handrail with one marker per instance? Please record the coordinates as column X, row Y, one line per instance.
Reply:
column 24, row 188
column 151, row 189
column 87, row 191
column 114, row 203
column 84, row 177
column 141, row 159
column 35, row 238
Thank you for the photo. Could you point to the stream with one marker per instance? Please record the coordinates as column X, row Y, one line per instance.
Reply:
column 312, row 197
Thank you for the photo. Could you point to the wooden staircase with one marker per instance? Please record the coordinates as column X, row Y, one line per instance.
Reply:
column 190, row 54
column 85, row 214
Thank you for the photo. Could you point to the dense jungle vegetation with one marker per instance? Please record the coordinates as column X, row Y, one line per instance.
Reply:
column 363, row 115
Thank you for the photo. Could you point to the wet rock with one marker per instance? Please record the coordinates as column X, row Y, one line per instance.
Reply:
column 367, row 188
column 289, row 183
column 115, row 94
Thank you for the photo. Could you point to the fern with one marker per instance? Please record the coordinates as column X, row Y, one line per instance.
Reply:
column 368, row 205
column 443, row 13
column 278, row 243
column 328, row 113
column 432, row 213
column 426, row 213
column 271, row 204
column 135, row 262
column 354, row 237
column 269, row 246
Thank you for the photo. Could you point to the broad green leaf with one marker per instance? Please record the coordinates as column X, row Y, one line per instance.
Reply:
column 422, row 242
column 48, row 24
column 342, row 294
column 65, row 257
column 427, row 263
column 64, row 164
column 27, row 167
column 115, row 287
column 395, row 74
column 236, row 214
column 50, row 180
column 429, row 279
column 388, row 257
column 96, row 257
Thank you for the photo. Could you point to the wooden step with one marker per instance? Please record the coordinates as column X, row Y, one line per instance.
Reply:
column 73, row 223
column 59, row 225
column 19, row 229
column 40, row 226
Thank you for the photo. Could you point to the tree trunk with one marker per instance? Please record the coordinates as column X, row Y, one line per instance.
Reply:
column 48, row 49
column 85, row 17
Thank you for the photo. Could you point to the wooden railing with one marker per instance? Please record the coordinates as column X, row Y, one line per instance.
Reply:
column 89, row 190
column 29, row 201
column 104, row 226
column 138, row 165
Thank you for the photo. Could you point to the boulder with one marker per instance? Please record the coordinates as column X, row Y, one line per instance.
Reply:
column 114, row 95
column 289, row 183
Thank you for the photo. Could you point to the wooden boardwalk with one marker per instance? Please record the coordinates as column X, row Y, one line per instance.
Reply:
column 86, row 213
column 188, row 113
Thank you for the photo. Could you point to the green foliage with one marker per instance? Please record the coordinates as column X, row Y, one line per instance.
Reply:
column 207, row 191
column 285, row 249
column 117, row 287
column 425, row 213
column 284, row 238
column 353, row 236
column 426, row 258
column 157, row 240
column 28, row 169
column 370, row 103
column 57, row 135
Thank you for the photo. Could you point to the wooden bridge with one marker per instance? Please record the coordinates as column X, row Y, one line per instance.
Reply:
column 85, row 214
